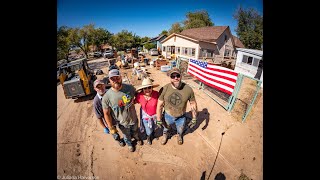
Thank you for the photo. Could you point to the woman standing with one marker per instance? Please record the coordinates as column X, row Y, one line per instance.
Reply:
column 148, row 99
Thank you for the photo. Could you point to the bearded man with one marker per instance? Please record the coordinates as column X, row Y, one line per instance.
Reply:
column 173, row 99
column 118, row 103
column 100, row 88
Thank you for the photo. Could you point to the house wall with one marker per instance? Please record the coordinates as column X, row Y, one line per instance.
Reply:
column 245, row 68
column 159, row 45
column 221, row 43
column 181, row 42
column 204, row 45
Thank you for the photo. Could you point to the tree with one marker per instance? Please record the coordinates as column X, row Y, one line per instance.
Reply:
column 123, row 40
column 175, row 28
column 83, row 37
column 63, row 42
column 164, row 32
column 100, row 37
column 197, row 19
column 149, row 46
column 249, row 28
column 145, row 39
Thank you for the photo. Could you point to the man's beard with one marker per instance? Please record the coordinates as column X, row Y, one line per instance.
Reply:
column 117, row 85
column 102, row 92
column 176, row 84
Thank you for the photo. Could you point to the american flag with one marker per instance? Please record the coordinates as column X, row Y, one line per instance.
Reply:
column 218, row 77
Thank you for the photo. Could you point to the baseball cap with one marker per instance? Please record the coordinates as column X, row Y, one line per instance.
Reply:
column 96, row 82
column 114, row 72
column 174, row 70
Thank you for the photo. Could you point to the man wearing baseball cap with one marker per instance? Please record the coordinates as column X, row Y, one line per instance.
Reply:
column 118, row 102
column 173, row 99
column 100, row 88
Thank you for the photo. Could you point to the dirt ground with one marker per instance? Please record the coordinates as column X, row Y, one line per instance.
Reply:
column 219, row 144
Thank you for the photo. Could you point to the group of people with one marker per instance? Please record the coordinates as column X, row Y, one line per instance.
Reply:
column 114, row 107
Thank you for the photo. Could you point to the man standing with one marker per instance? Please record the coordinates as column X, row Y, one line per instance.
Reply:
column 100, row 88
column 118, row 102
column 174, row 98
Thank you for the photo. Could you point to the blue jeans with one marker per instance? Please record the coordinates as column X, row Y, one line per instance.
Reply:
column 116, row 136
column 146, row 127
column 179, row 122
column 128, row 133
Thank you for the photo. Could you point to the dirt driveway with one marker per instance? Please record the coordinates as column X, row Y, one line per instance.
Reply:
column 220, row 144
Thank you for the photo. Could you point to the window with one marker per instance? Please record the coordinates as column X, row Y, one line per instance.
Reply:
column 210, row 53
column 249, row 60
column 206, row 53
column 164, row 49
column 244, row 59
column 178, row 50
column 255, row 62
column 193, row 52
column 225, row 38
column 168, row 49
column 186, row 51
column 227, row 52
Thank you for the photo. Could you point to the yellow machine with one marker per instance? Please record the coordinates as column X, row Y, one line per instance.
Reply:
column 76, row 78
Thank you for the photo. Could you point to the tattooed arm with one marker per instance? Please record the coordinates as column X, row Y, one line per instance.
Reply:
column 194, row 109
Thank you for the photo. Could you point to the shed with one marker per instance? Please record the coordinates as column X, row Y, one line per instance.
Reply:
column 250, row 63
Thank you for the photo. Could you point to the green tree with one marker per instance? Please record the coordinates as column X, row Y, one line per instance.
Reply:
column 149, row 46
column 63, row 42
column 123, row 40
column 164, row 32
column 100, row 37
column 175, row 28
column 83, row 37
column 145, row 39
column 197, row 19
column 249, row 28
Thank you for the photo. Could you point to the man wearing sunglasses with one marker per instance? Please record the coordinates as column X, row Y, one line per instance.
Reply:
column 173, row 99
column 118, row 102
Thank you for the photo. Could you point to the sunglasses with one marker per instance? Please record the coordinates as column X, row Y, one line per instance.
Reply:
column 150, row 87
column 174, row 76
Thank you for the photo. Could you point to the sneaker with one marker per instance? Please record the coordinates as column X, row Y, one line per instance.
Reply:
column 165, row 139
column 180, row 140
column 121, row 143
column 131, row 148
column 149, row 140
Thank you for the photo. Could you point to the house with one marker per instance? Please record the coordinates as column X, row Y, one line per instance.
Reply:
column 213, row 42
column 250, row 63
column 157, row 41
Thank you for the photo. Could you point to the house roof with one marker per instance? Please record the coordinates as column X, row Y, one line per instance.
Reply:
column 186, row 37
column 157, row 38
column 237, row 42
column 251, row 51
column 210, row 33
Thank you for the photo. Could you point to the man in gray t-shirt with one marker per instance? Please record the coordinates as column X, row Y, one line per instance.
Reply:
column 118, row 102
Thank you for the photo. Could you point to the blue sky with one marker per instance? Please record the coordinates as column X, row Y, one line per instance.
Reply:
column 146, row 18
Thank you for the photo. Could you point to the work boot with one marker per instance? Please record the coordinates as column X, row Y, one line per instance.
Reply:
column 165, row 139
column 139, row 141
column 149, row 140
column 121, row 142
column 131, row 148
column 179, row 139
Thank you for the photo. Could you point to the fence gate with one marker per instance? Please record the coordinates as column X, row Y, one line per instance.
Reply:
column 240, row 101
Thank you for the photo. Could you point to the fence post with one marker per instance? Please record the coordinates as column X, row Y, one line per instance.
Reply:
column 251, row 104
column 235, row 92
